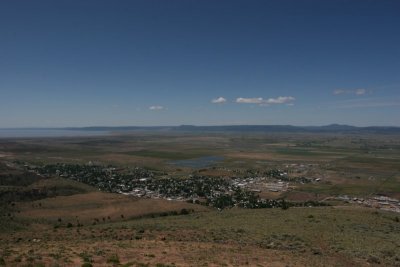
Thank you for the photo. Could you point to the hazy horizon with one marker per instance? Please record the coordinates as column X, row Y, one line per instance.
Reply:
column 189, row 125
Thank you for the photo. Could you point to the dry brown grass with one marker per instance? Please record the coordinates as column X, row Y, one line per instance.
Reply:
column 303, row 196
column 251, row 155
column 152, row 252
column 273, row 156
column 98, row 205
column 125, row 159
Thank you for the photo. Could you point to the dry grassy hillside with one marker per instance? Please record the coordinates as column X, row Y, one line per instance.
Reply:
column 98, row 207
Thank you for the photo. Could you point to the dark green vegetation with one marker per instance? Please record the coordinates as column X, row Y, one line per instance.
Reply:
column 52, row 212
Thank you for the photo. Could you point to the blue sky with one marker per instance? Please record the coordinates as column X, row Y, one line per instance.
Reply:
column 202, row 62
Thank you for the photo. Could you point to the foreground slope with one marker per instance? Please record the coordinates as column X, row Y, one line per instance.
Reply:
column 325, row 236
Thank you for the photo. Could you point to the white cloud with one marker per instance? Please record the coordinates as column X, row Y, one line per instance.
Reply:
column 280, row 100
column 266, row 102
column 339, row 91
column 156, row 108
column 257, row 100
column 219, row 100
column 360, row 91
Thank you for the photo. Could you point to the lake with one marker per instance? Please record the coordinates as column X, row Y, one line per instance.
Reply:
column 201, row 162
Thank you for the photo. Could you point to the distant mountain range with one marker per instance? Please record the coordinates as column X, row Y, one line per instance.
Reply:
column 332, row 128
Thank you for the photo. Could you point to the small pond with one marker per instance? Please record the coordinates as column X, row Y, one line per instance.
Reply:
column 197, row 163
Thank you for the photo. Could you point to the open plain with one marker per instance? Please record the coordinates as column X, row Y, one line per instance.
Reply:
column 201, row 199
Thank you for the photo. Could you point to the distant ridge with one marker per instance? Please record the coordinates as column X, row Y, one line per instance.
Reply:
column 332, row 128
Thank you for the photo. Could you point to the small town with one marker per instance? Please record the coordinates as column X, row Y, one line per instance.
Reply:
column 219, row 192
column 239, row 190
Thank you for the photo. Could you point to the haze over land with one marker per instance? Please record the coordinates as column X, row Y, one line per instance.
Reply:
column 107, row 130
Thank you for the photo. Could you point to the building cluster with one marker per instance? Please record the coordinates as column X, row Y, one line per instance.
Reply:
column 378, row 202
column 220, row 192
